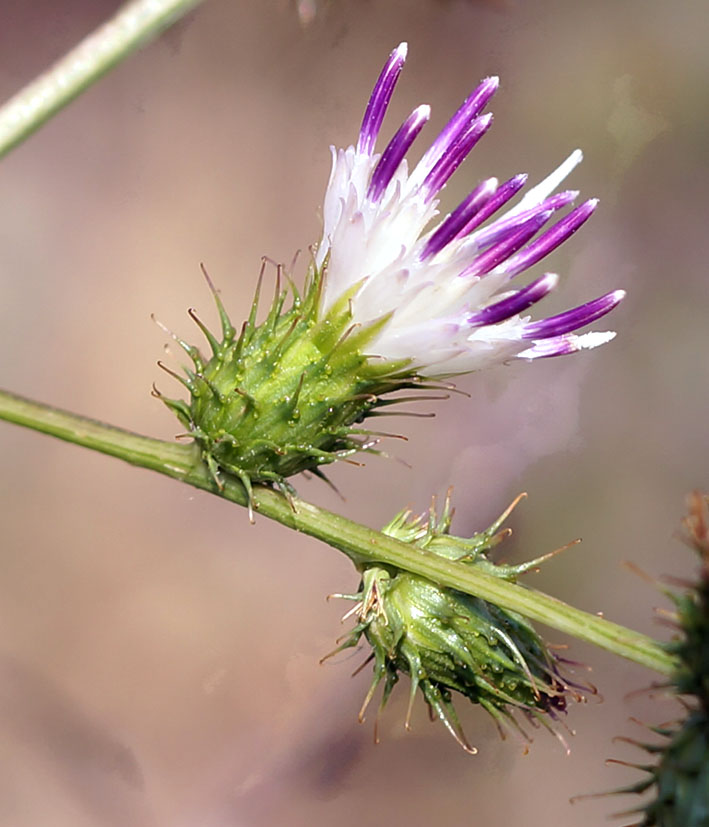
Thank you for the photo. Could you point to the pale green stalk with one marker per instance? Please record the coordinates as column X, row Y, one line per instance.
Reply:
column 133, row 25
column 361, row 544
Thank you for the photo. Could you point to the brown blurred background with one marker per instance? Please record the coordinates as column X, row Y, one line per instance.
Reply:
column 159, row 655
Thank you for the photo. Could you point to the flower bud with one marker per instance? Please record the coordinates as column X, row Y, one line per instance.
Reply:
column 448, row 641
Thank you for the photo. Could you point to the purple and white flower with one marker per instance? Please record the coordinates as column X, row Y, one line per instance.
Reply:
column 446, row 289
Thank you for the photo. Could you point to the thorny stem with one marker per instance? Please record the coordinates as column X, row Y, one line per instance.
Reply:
column 361, row 544
column 133, row 25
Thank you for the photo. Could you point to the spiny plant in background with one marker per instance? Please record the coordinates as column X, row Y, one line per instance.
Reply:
column 447, row 641
column 679, row 781
column 390, row 302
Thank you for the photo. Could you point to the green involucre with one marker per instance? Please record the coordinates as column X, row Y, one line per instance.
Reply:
column 286, row 395
column 447, row 641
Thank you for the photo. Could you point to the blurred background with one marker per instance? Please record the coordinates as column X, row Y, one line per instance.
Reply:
column 158, row 654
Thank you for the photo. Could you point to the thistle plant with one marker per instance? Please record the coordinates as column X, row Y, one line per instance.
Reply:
column 396, row 299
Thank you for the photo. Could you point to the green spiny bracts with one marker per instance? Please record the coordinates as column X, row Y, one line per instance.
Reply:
column 285, row 395
column 692, row 647
column 447, row 641
column 679, row 782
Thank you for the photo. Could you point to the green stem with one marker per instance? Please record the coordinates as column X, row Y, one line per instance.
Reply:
column 361, row 544
column 136, row 23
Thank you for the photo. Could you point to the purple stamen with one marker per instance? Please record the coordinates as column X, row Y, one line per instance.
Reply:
column 512, row 305
column 396, row 150
column 502, row 228
column 471, row 107
column 379, row 100
column 450, row 227
column 504, row 192
column 551, row 239
column 455, row 154
column 573, row 319
column 499, row 252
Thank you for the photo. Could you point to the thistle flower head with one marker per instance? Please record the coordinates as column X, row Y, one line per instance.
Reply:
column 388, row 304
column 447, row 641
column 445, row 290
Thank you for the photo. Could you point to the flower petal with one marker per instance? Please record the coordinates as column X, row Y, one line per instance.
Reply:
column 454, row 157
column 451, row 226
column 516, row 303
column 393, row 155
column 471, row 107
column 379, row 99
column 573, row 319
column 499, row 252
column 551, row 239
column 570, row 343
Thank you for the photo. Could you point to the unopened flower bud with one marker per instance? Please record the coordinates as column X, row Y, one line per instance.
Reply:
column 447, row 641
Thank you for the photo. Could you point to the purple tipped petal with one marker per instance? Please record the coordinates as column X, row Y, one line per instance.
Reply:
column 472, row 106
column 568, row 343
column 504, row 192
column 573, row 319
column 512, row 305
column 559, row 346
column 499, row 252
column 451, row 226
column 552, row 238
column 395, row 151
column 502, row 228
column 455, row 154
column 379, row 99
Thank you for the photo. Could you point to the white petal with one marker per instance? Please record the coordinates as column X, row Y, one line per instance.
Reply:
column 546, row 187
column 567, row 343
